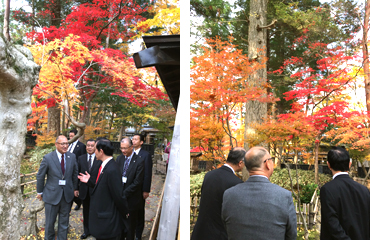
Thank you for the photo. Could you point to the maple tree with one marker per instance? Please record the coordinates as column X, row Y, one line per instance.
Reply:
column 218, row 89
column 320, row 93
column 79, row 59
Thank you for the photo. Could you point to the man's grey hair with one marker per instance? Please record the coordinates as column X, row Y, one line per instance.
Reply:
column 254, row 161
column 56, row 140
column 127, row 139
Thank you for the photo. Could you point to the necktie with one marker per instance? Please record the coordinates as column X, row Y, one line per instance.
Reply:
column 98, row 175
column 89, row 162
column 62, row 164
column 125, row 167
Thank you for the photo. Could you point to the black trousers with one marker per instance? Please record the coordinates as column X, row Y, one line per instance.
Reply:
column 85, row 212
column 140, row 221
column 113, row 238
column 129, row 234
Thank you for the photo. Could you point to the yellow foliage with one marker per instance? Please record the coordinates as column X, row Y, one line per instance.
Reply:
column 45, row 138
column 167, row 19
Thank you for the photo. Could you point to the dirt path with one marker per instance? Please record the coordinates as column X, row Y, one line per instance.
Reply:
column 76, row 219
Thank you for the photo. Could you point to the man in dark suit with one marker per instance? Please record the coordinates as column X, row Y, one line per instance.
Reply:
column 87, row 163
column 108, row 207
column 209, row 224
column 137, row 142
column 78, row 149
column 345, row 204
column 258, row 209
column 61, row 170
column 132, row 172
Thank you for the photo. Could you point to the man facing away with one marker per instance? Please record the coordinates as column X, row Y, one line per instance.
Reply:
column 87, row 163
column 78, row 149
column 137, row 142
column 258, row 209
column 108, row 207
column 132, row 173
column 61, row 170
column 209, row 224
column 345, row 204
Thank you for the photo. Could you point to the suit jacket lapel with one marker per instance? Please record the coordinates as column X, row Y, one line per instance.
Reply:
column 101, row 175
column 132, row 163
column 55, row 159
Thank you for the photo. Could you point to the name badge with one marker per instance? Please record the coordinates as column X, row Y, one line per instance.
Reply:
column 62, row 182
column 124, row 179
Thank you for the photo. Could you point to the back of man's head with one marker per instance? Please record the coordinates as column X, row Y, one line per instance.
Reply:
column 254, row 158
column 338, row 159
column 106, row 146
column 236, row 155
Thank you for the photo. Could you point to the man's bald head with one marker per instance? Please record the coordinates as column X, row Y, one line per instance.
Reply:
column 255, row 157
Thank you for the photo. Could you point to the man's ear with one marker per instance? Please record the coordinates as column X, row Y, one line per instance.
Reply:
column 327, row 162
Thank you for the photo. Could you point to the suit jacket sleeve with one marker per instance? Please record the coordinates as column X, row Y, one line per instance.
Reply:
column 132, row 188
column 148, row 173
column 75, row 174
column 291, row 230
column 116, row 190
column 41, row 175
column 330, row 216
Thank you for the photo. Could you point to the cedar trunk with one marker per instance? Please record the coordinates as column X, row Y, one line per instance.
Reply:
column 365, row 52
column 257, row 41
column 18, row 75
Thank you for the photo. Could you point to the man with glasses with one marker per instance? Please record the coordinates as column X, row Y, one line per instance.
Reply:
column 258, row 209
column 132, row 171
column 61, row 170
column 209, row 224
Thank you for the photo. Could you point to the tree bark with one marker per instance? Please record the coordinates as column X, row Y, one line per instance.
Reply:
column 54, row 120
column 257, row 41
column 317, row 144
column 6, row 20
column 365, row 52
column 18, row 75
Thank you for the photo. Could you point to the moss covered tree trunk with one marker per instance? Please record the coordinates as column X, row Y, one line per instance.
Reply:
column 18, row 75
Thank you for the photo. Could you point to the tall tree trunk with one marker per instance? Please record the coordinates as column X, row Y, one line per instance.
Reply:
column 54, row 112
column 18, row 75
column 317, row 144
column 6, row 20
column 257, row 40
column 365, row 52
column 54, row 120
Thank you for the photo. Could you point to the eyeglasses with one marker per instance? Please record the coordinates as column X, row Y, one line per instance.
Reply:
column 63, row 144
column 125, row 148
column 268, row 159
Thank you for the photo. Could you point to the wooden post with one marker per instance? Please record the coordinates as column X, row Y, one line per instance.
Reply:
column 22, row 181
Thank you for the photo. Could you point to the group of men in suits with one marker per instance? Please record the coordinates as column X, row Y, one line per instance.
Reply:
column 258, row 209
column 112, row 192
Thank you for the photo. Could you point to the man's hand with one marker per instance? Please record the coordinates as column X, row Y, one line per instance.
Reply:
column 145, row 195
column 39, row 197
column 84, row 177
column 76, row 193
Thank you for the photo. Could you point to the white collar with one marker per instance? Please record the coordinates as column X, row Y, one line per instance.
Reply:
column 105, row 163
column 227, row 165
column 137, row 151
column 340, row 173
column 259, row 176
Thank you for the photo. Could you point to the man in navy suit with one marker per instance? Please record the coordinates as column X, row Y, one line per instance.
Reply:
column 78, row 149
column 137, row 142
column 108, row 206
column 132, row 171
column 345, row 204
column 209, row 224
column 87, row 163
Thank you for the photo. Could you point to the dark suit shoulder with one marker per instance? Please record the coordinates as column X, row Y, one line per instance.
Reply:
column 82, row 157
